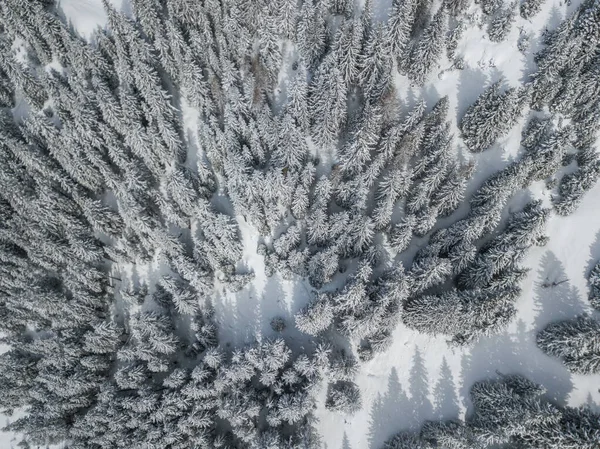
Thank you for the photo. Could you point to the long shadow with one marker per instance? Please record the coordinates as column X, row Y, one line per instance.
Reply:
column 238, row 316
column 471, row 83
column 346, row 442
column 282, row 299
column 394, row 411
column 594, row 256
column 446, row 400
column 591, row 404
column 389, row 412
column 431, row 96
column 272, row 305
column 421, row 407
column 516, row 351
column 555, row 298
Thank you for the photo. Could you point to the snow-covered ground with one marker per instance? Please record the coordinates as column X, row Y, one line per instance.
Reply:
column 422, row 377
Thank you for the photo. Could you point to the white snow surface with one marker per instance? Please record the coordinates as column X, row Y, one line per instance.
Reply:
column 86, row 15
column 397, row 393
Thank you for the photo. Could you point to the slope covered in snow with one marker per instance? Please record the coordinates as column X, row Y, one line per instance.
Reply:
column 419, row 377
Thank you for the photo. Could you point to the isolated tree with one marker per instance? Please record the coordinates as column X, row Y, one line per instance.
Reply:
column 490, row 117
column 343, row 397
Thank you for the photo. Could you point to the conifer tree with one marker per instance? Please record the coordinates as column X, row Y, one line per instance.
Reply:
column 594, row 281
column 430, row 46
column 501, row 24
column 490, row 117
column 530, row 8
column 400, row 25
column 576, row 341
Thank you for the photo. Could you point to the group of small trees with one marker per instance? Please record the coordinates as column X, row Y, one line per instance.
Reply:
column 509, row 411
column 486, row 286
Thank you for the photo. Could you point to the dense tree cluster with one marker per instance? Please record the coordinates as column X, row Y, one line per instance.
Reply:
column 137, row 154
column 487, row 283
column 509, row 412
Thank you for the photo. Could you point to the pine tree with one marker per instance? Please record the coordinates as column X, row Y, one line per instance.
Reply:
column 576, row 341
column 489, row 7
column 501, row 24
column 530, row 8
column 594, row 281
column 311, row 33
column 328, row 101
column 375, row 64
column 400, row 26
column 523, row 230
column 508, row 408
column 426, row 52
column 316, row 317
column 573, row 186
column 343, row 397
column 490, row 117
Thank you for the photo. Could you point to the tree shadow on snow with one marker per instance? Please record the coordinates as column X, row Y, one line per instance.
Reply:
column 446, row 401
column 346, row 442
column 594, row 256
column 471, row 83
column 239, row 316
column 516, row 352
column 396, row 411
column 390, row 412
column 421, row 406
column 282, row 299
column 555, row 298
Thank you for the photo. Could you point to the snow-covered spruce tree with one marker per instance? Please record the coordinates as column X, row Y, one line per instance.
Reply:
column 491, row 116
column 530, row 8
column 508, row 408
column 402, row 15
column 501, row 24
column 489, row 7
column 576, row 341
column 549, row 152
column 142, row 150
column 594, row 282
column 429, row 48
column 343, row 397
column 573, row 186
